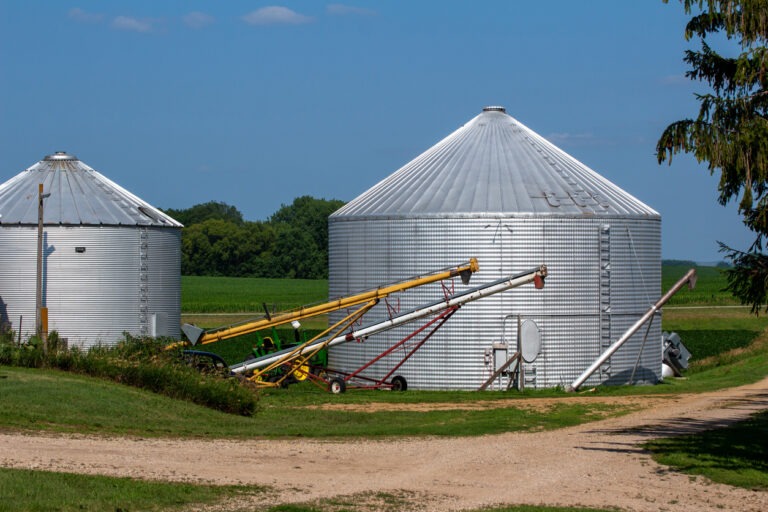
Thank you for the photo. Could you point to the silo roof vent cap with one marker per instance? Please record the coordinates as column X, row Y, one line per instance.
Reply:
column 59, row 156
column 494, row 108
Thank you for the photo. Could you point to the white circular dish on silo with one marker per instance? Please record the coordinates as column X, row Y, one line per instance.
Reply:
column 530, row 339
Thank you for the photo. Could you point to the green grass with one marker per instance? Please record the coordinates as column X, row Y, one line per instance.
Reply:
column 60, row 402
column 708, row 343
column 709, row 289
column 38, row 491
column 232, row 295
column 445, row 423
column 737, row 455
column 202, row 294
column 712, row 319
column 32, row 491
column 724, row 372
column 211, row 302
column 709, row 333
column 51, row 400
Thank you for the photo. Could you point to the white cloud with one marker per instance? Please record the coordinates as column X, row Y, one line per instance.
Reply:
column 274, row 15
column 342, row 9
column 82, row 16
column 133, row 24
column 197, row 19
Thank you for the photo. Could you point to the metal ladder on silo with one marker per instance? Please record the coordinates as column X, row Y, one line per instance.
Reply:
column 144, row 281
column 605, row 296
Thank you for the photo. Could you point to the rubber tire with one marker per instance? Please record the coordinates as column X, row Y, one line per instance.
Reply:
column 399, row 383
column 337, row 386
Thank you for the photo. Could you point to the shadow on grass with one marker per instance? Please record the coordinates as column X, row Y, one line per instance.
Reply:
column 683, row 425
column 729, row 450
column 736, row 455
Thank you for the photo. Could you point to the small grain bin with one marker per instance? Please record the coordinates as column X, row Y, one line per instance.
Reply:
column 496, row 190
column 110, row 262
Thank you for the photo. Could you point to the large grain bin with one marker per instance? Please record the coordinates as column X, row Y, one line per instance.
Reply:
column 110, row 261
column 496, row 190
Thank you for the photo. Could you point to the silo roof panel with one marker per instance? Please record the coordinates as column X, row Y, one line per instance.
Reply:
column 79, row 195
column 495, row 165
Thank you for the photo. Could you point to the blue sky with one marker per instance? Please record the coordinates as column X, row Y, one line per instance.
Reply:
column 256, row 103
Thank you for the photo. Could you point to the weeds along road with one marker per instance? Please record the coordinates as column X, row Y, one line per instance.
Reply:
column 599, row 464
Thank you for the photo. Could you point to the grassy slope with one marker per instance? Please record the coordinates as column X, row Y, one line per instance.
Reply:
column 25, row 490
column 60, row 402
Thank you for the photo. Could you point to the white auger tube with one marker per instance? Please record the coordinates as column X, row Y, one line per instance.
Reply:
column 537, row 274
column 689, row 277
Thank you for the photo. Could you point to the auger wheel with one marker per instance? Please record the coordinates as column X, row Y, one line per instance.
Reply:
column 337, row 386
column 399, row 383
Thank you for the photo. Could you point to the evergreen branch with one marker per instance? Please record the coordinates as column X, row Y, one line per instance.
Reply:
column 748, row 278
column 747, row 19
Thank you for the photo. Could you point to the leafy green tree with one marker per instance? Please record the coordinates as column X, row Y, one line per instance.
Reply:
column 258, row 241
column 296, row 256
column 310, row 214
column 730, row 132
column 195, row 251
column 301, row 247
column 292, row 244
column 221, row 248
column 203, row 245
column 206, row 211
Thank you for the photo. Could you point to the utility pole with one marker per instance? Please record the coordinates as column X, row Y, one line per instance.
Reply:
column 41, row 313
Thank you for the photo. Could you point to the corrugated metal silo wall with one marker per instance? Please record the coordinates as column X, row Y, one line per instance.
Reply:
column 604, row 274
column 96, row 280
column 164, row 258
column 18, row 249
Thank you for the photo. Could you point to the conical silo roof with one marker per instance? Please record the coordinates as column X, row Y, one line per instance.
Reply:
column 494, row 165
column 79, row 195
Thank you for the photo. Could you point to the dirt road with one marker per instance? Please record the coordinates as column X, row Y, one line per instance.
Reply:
column 598, row 464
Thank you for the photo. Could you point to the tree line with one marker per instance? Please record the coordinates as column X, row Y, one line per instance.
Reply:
column 292, row 243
